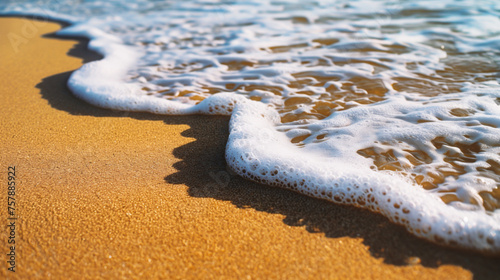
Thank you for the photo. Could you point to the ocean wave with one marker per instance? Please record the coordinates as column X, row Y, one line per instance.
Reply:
column 390, row 106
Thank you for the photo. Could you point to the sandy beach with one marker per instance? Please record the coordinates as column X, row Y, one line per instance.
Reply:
column 115, row 195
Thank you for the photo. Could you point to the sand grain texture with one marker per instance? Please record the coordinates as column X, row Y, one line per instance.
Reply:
column 116, row 195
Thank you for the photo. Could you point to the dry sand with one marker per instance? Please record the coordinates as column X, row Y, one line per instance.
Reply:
column 106, row 195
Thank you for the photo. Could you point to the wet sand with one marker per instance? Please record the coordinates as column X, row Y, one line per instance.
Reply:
column 115, row 195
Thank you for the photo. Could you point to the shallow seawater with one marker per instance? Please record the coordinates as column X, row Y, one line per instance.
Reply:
column 360, row 91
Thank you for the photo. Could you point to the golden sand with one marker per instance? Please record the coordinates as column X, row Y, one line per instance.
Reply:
column 107, row 195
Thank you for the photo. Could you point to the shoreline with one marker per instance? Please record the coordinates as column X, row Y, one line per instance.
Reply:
column 105, row 194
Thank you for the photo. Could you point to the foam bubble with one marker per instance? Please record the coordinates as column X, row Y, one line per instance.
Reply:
column 256, row 151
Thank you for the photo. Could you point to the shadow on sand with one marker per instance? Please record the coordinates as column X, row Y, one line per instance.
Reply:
column 203, row 169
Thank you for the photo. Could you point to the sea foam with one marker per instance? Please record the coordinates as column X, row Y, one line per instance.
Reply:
column 386, row 107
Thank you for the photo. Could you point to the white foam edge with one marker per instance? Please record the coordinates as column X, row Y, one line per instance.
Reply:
column 101, row 83
column 253, row 138
column 255, row 149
